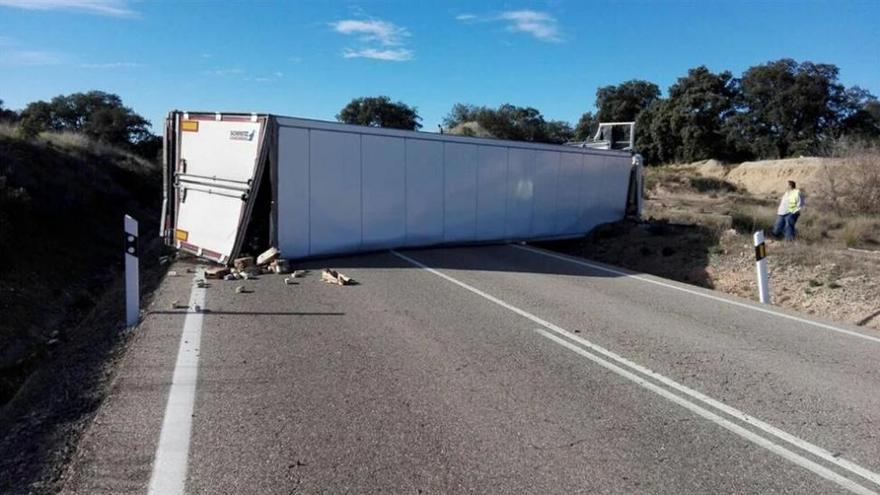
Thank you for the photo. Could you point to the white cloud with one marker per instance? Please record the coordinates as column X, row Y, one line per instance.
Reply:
column 386, row 33
column 13, row 55
column 540, row 25
column 114, row 8
column 222, row 72
column 390, row 54
column 112, row 65
column 377, row 40
column 274, row 76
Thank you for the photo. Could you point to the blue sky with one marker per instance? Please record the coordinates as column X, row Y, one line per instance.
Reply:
column 310, row 58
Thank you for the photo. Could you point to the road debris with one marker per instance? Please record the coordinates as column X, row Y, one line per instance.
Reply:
column 242, row 290
column 216, row 272
column 333, row 277
column 280, row 266
column 172, row 273
column 268, row 256
column 176, row 305
column 290, row 281
column 202, row 284
column 243, row 263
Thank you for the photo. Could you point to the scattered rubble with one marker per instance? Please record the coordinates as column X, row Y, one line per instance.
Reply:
column 268, row 256
column 279, row 266
column 333, row 277
column 243, row 263
column 216, row 272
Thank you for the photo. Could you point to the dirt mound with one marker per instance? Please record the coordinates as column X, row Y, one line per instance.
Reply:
column 769, row 177
column 711, row 168
column 765, row 178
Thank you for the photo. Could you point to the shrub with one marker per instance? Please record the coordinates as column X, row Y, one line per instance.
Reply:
column 859, row 231
column 851, row 185
column 711, row 184
column 747, row 219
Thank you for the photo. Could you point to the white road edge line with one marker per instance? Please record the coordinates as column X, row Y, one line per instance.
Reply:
column 696, row 293
column 803, row 444
column 724, row 423
column 172, row 453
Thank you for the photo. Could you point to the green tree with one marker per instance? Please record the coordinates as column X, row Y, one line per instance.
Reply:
column 623, row 102
column 100, row 115
column 787, row 108
column 861, row 115
column 558, row 132
column 586, row 127
column 35, row 118
column 7, row 115
column 508, row 122
column 380, row 111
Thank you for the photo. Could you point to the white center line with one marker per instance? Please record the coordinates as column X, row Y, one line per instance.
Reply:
column 760, row 309
column 640, row 375
column 172, row 454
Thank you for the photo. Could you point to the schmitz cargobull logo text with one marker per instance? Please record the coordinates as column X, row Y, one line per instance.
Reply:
column 241, row 135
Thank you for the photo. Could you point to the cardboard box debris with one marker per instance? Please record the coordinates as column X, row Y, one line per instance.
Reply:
column 268, row 256
column 280, row 266
column 333, row 277
column 243, row 262
column 216, row 272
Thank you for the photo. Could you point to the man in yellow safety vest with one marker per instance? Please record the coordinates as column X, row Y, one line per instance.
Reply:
column 788, row 212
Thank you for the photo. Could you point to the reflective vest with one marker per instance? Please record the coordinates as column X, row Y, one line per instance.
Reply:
column 794, row 199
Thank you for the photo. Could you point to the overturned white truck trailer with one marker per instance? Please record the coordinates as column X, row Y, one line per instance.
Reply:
column 242, row 182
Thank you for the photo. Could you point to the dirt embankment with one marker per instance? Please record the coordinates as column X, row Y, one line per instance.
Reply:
column 62, row 201
column 702, row 216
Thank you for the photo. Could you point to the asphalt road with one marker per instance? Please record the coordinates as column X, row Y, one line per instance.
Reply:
column 494, row 369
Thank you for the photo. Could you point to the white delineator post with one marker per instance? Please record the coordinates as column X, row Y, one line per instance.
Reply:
column 761, row 263
column 132, row 277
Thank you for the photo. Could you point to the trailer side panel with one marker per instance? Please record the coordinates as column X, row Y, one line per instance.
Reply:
column 346, row 188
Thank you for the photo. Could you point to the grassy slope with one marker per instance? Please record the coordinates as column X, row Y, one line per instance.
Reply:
column 62, row 199
column 699, row 232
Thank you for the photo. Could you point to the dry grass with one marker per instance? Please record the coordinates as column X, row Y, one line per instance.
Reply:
column 748, row 218
column 861, row 231
column 851, row 186
column 8, row 130
column 83, row 146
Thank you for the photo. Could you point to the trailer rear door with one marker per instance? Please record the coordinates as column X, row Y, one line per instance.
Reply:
column 217, row 163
